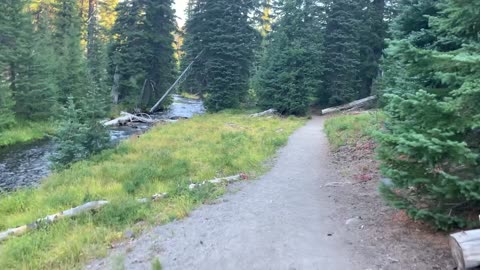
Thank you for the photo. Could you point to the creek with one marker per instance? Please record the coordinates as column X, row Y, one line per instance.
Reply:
column 26, row 165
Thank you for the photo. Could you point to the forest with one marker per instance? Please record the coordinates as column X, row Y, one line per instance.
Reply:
column 67, row 65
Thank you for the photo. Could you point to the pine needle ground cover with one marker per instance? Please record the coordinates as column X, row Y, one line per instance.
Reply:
column 24, row 131
column 349, row 129
column 166, row 159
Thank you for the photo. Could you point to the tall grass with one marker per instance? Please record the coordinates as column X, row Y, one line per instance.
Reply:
column 25, row 131
column 166, row 159
column 349, row 129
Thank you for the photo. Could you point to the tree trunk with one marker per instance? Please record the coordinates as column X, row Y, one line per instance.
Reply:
column 116, row 86
column 356, row 104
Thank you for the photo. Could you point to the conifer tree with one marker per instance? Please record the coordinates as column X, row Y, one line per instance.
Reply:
column 373, row 32
column 96, row 56
column 7, row 118
column 341, row 56
column 290, row 69
column 143, row 50
column 70, row 137
column 222, row 30
column 71, row 69
column 430, row 149
column 12, row 46
column 37, row 92
column 160, row 67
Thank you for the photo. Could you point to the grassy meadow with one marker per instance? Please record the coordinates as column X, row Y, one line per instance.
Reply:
column 348, row 129
column 25, row 131
column 166, row 159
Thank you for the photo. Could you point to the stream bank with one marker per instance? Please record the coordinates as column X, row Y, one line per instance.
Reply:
column 25, row 165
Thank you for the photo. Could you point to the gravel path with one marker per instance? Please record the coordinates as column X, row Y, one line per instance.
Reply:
column 284, row 220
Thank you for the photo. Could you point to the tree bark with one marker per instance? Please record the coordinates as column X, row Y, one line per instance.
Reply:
column 465, row 248
column 355, row 104
column 116, row 86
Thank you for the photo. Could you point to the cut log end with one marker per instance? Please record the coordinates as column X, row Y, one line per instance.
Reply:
column 465, row 248
column 457, row 253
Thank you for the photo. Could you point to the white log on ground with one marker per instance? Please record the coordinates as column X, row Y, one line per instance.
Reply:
column 264, row 113
column 465, row 248
column 220, row 180
column 52, row 218
column 99, row 204
column 355, row 104
column 128, row 117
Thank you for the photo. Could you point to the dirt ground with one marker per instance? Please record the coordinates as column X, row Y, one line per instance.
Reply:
column 315, row 209
column 393, row 239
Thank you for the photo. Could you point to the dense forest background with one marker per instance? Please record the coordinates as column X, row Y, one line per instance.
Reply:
column 78, row 60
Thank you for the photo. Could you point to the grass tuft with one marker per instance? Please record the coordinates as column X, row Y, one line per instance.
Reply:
column 352, row 128
column 166, row 159
column 25, row 131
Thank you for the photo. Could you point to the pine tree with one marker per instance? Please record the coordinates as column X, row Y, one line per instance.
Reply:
column 142, row 52
column 222, row 30
column 290, row 69
column 373, row 32
column 70, row 137
column 71, row 69
column 126, row 51
column 160, row 67
column 341, row 52
column 12, row 46
column 430, row 148
column 7, row 118
column 195, row 83
column 96, row 55
column 37, row 93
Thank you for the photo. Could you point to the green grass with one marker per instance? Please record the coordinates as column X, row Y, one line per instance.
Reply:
column 349, row 129
column 165, row 159
column 25, row 131
column 188, row 95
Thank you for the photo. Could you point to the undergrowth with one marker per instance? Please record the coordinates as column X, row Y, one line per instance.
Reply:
column 166, row 159
column 348, row 129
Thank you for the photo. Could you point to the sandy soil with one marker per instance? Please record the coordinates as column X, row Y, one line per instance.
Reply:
column 294, row 217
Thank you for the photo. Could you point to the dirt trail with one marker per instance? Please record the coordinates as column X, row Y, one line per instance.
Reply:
column 284, row 220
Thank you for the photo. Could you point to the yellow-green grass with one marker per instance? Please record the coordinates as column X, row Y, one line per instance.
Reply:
column 25, row 131
column 349, row 129
column 190, row 96
column 165, row 159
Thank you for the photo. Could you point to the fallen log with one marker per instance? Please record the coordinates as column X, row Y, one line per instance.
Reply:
column 264, row 113
column 128, row 117
column 99, row 204
column 52, row 218
column 465, row 248
column 228, row 179
column 355, row 104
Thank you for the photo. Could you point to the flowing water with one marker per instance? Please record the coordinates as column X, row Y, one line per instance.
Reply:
column 26, row 165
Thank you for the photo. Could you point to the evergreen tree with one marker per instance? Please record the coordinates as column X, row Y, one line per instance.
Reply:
column 12, row 46
column 96, row 136
column 37, row 93
column 96, row 55
column 222, row 30
column 373, row 32
column 70, row 137
column 341, row 52
column 71, row 69
column 196, row 82
column 160, row 67
column 142, row 52
column 7, row 117
column 290, row 69
column 431, row 147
